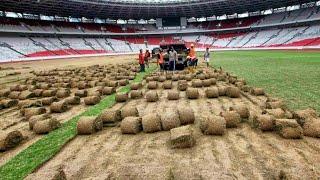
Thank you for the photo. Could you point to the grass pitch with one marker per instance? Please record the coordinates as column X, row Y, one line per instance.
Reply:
column 291, row 75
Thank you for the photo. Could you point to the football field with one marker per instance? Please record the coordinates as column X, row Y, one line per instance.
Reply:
column 291, row 75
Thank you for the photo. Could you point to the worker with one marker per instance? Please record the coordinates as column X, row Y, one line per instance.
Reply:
column 158, row 57
column 192, row 52
column 193, row 56
column 147, row 57
column 141, row 61
column 173, row 57
column 206, row 57
column 161, row 61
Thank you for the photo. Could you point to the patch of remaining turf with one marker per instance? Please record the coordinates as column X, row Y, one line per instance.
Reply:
column 44, row 149
column 290, row 75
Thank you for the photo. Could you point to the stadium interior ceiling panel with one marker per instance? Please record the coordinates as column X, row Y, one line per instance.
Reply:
column 129, row 9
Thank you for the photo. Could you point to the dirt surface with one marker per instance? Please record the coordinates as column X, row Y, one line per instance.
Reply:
column 242, row 153
column 10, row 119
column 26, row 67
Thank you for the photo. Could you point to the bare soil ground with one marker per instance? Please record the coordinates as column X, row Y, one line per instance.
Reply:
column 10, row 119
column 26, row 67
column 242, row 153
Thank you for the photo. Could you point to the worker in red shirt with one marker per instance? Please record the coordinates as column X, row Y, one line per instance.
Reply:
column 141, row 61
column 147, row 56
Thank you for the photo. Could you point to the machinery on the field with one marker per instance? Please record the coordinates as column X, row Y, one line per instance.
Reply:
column 182, row 52
column 155, row 52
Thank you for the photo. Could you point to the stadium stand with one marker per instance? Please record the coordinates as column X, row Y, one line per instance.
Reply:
column 259, row 31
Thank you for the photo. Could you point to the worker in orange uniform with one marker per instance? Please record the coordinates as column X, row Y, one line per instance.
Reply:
column 141, row 61
column 161, row 61
column 193, row 56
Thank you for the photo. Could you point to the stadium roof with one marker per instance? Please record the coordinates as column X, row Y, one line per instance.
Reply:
column 141, row 9
column 151, row 1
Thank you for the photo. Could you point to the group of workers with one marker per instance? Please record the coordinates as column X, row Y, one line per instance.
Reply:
column 191, row 60
column 144, row 59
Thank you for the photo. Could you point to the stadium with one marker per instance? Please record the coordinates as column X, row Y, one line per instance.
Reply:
column 162, row 89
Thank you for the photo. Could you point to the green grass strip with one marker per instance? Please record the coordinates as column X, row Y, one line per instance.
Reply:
column 47, row 147
column 290, row 75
